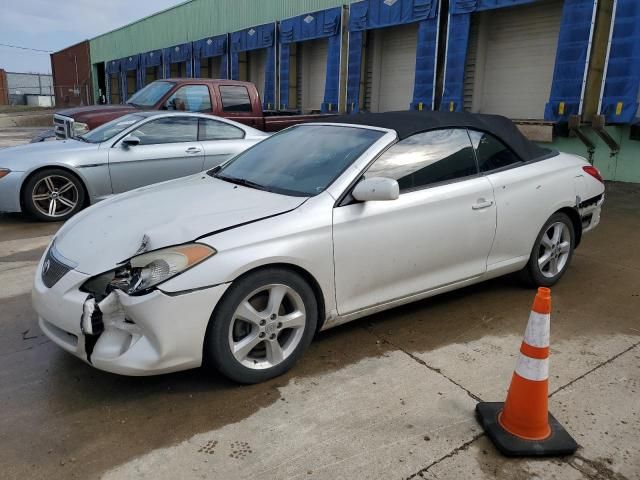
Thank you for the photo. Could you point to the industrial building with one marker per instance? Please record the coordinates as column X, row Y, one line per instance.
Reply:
column 566, row 70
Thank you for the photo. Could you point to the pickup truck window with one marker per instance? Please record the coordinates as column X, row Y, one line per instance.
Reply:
column 150, row 95
column 168, row 130
column 190, row 98
column 235, row 99
column 216, row 130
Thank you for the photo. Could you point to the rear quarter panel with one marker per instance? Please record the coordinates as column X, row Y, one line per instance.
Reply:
column 526, row 197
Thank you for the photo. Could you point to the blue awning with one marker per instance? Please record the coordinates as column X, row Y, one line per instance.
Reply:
column 622, row 82
column 177, row 54
column 371, row 14
column 254, row 38
column 313, row 26
column 151, row 59
column 572, row 60
column 468, row 6
column 208, row 48
column 112, row 66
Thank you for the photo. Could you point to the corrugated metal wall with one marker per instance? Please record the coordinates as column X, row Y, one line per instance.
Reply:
column 195, row 20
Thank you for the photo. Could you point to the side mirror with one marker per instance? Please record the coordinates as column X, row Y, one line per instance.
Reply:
column 376, row 189
column 130, row 141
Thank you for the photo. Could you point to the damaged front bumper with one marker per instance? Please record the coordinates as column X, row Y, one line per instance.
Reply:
column 590, row 211
column 132, row 335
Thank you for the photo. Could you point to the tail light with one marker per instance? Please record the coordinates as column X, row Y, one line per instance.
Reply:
column 594, row 172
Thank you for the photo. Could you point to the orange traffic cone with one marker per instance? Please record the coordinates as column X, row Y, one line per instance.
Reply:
column 522, row 425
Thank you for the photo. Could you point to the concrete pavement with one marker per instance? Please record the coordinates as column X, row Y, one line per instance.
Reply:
column 390, row 396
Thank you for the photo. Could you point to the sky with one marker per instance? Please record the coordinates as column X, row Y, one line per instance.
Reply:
column 53, row 25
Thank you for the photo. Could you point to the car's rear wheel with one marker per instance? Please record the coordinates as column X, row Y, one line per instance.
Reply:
column 53, row 195
column 262, row 326
column 552, row 252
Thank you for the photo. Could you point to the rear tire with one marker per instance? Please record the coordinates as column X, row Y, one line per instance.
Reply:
column 552, row 252
column 262, row 326
column 53, row 195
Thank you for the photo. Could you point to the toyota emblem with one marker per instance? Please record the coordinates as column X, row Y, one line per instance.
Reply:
column 46, row 266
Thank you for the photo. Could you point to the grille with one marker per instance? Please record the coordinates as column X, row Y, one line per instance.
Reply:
column 53, row 269
column 63, row 127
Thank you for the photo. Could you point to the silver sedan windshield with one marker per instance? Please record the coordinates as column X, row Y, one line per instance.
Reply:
column 111, row 129
column 300, row 161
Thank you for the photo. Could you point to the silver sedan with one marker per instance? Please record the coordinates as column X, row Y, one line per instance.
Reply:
column 54, row 180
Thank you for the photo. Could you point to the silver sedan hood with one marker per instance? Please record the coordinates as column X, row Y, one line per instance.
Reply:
column 165, row 214
column 23, row 157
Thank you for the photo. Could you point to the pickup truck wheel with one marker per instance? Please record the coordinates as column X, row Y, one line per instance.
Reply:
column 551, row 253
column 53, row 195
column 262, row 326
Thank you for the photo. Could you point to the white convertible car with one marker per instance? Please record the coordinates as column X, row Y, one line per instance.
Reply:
column 315, row 226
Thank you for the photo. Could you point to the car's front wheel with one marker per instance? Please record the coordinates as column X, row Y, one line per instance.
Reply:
column 552, row 252
column 262, row 325
column 53, row 195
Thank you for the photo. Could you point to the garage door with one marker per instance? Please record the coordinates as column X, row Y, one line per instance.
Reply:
column 391, row 69
column 313, row 73
column 256, row 61
column 518, row 47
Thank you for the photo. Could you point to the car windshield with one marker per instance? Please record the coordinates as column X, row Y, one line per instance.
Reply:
column 150, row 95
column 111, row 129
column 300, row 161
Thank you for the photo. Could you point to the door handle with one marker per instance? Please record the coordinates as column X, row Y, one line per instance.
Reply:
column 482, row 204
column 193, row 150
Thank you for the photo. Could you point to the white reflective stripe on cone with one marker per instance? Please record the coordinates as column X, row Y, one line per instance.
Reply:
column 537, row 333
column 532, row 368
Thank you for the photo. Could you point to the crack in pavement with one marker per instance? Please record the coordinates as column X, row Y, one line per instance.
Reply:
column 423, row 363
column 598, row 470
column 453, row 452
column 606, row 362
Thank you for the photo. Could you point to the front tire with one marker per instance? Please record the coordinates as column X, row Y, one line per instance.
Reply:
column 53, row 195
column 552, row 252
column 262, row 326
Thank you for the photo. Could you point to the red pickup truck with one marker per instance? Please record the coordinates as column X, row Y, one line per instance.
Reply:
column 231, row 99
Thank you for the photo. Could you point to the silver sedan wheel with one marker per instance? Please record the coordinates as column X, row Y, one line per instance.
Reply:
column 267, row 326
column 555, row 248
column 55, row 196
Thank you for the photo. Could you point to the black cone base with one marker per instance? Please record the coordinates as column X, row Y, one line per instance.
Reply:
column 558, row 444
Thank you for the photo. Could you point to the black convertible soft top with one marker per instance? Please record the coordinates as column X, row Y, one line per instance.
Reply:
column 411, row 122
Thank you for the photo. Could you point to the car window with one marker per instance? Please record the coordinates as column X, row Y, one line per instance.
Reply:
column 190, row 98
column 427, row 158
column 302, row 160
column 216, row 130
column 235, row 99
column 111, row 129
column 151, row 94
column 168, row 130
column 491, row 152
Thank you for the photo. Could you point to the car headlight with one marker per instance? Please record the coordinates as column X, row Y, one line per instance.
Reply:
column 150, row 269
column 4, row 172
column 80, row 128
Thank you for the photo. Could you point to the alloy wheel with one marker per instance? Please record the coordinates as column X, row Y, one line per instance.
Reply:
column 55, row 196
column 267, row 326
column 555, row 249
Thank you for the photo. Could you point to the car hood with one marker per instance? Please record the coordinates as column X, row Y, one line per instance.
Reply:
column 21, row 157
column 82, row 111
column 165, row 214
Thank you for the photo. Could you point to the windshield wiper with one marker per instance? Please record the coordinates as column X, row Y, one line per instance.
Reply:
column 82, row 139
column 242, row 181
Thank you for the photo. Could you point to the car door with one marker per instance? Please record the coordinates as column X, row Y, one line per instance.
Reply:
column 220, row 141
column 438, row 232
column 168, row 149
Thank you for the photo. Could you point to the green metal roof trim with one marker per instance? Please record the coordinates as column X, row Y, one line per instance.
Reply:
column 196, row 19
